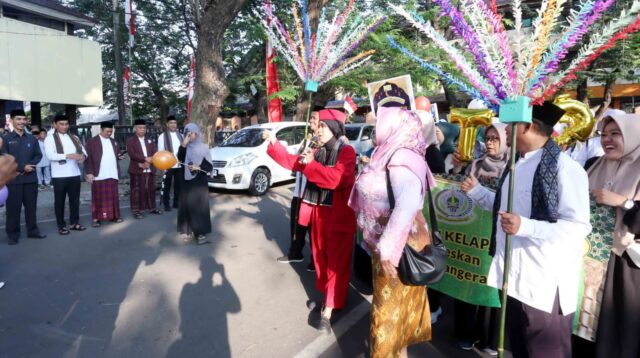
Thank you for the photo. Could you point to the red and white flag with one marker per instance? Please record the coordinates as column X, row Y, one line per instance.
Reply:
column 349, row 105
column 192, row 82
column 273, row 84
column 129, row 20
column 125, row 86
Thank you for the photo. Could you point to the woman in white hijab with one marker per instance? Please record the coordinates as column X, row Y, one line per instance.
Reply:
column 614, row 180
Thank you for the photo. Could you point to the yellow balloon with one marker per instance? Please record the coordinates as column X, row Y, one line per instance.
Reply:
column 469, row 120
column 164, row 160
column 578, row 119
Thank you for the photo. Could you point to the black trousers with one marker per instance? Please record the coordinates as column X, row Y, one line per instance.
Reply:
column 21, row 195
column 538, row 334
column 63, row 187
column 298, row 232
column 175, row 175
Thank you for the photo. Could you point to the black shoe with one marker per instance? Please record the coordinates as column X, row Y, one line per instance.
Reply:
column 314, row 306
column 201, row 240
column 286, row 259
column 37, row 236
column 311, row 267
column 325, row 325
column 167, row 207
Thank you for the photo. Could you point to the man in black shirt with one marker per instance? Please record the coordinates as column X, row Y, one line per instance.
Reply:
column 23, row 190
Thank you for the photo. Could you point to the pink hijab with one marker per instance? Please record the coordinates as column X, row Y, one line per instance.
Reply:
column 397, row 128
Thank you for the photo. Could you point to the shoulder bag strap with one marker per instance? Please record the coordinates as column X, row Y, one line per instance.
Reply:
column 432, row 211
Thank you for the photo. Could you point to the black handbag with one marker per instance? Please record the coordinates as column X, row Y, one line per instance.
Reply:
column 421, row 268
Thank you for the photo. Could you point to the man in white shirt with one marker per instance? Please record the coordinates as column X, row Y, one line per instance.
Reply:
column 170, row 140
column 66, row 153
column 102, row 173
column 549, row 222
column 43, row 167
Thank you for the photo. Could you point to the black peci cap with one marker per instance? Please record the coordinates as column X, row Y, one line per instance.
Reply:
column 17, row 112
column 548, row 113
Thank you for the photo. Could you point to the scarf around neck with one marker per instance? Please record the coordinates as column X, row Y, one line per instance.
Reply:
column 196, row 151
column 327, row 155
column 168, row 143
column 60, row 147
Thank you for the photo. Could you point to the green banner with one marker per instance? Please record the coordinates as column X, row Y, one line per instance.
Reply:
column 466, row 230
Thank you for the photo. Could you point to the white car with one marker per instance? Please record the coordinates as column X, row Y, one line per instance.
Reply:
column 360, row 136
column 241, row 161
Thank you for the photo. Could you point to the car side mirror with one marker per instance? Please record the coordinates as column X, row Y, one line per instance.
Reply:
column 284, row 143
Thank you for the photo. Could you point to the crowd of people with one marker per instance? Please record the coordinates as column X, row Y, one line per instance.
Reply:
column 384, row 199
column 549, row 222
column 59, row 159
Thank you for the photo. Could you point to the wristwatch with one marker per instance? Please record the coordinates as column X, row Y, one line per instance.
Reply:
column 628, row 204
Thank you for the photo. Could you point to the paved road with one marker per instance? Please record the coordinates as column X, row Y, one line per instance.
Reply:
column 135, row 289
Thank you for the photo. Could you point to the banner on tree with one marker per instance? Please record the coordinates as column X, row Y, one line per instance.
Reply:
column 466, row 230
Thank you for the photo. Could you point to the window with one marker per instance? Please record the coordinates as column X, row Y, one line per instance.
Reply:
column 298, row 134
column 287, row 135
column 367, row 133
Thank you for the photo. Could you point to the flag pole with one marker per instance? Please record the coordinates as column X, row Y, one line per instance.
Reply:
column 507, row 246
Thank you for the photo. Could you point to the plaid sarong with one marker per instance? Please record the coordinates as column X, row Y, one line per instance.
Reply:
column 143, row 192
column 105, row 203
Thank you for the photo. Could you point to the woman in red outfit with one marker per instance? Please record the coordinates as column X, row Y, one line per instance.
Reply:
column 330, row 173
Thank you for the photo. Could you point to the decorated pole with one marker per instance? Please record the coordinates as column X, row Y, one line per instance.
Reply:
column 512, row 111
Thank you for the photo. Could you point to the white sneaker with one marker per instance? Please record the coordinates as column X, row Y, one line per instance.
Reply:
column 435, row 315
column 489, row 351
column 1, row 284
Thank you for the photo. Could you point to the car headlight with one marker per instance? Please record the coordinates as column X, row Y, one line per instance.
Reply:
column 242, row 160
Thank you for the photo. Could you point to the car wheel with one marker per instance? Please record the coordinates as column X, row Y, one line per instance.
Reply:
column 260, row 180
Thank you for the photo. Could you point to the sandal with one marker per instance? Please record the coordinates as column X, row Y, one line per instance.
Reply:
column 63, row 231
column 96, row 223
column 77, row 227
column 155, row 212
column 137, row 215
column 117, row 221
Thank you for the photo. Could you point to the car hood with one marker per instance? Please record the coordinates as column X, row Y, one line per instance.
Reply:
column 228, row 153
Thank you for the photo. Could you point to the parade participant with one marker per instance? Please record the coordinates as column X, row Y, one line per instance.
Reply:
column 141, row 171
column 193, row 208
column 550, row 220
column 65, row 152
column 614, row 181
column 399, row 314
column 298, row 231
column 330, row 173
column 43, row 168
column 102, row 172
column 23, row 190
column 450, row 133
column 170, row 140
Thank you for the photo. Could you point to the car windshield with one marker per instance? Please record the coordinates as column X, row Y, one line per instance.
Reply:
column 250, row 137
column 353, row 133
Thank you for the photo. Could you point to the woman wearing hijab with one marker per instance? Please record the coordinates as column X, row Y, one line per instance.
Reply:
column 330, row 173
column 492, row 163
column 450, row 133
column 614, row 180
column 400, row 314
column 193, row 205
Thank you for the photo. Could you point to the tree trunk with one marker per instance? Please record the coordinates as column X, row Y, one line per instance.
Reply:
column 211, row 88
column 161, row 102
column 314, row 8
column 583, row 92
column 118, row 63
column 608, row 95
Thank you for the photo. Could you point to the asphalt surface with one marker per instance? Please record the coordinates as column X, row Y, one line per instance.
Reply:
column 137, row 289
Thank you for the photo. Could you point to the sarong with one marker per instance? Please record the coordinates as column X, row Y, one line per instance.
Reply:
column 105, row 203
column 143, row 192
column 400, row 314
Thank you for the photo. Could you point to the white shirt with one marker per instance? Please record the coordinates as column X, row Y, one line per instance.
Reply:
column 175, row 143
column 545, row 257
column 44, row 161
column 144, row 151
column 108, row 162
column 68, row 169
column 587, row 150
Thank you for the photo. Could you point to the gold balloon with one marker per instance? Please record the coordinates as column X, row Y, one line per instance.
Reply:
column 164, row 160
column 578, row 119
column 469, row 120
